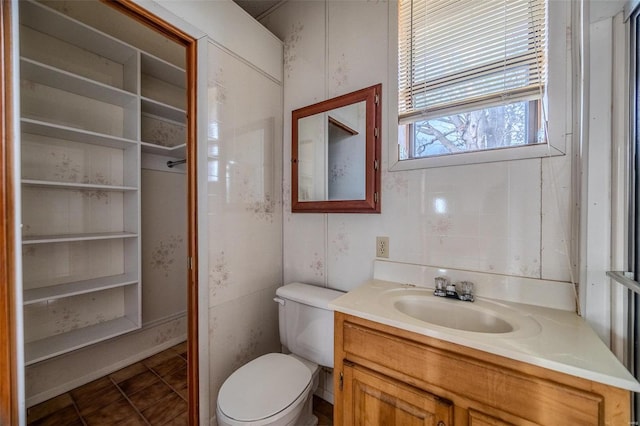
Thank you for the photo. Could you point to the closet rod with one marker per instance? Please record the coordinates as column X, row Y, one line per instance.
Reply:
column 172, row 164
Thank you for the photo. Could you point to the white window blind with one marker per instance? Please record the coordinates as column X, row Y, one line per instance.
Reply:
column 458, row 54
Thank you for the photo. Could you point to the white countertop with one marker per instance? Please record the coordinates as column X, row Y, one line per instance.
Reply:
column 551, row 338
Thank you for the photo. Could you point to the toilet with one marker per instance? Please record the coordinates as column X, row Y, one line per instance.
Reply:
column 277, row 389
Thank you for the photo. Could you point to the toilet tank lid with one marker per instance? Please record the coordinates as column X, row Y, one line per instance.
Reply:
column 308, row 294
column 263, row 387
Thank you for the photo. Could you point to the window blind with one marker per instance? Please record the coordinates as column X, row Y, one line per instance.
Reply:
column 455, row 53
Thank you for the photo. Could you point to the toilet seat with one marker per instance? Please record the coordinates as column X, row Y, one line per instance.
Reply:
column 263, row 388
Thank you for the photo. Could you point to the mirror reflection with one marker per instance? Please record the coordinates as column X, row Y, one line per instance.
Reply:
column 331, row 154
column 335, row 154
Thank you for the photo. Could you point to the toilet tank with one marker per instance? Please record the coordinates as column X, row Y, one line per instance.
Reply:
column 306, row 322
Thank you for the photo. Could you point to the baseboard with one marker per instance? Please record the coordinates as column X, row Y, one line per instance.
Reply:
column 68, row 371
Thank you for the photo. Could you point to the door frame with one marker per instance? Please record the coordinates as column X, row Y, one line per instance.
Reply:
column 8, row 346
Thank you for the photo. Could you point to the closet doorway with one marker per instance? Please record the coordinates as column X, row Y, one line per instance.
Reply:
column 107, row 117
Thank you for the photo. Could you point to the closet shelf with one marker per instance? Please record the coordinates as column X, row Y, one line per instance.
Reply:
column 59, row 291
column 163, row 70
column 48, row 239
column 77, row 186
column 53, row 77
column 42, row 128
column 57, row 25
column 178, row 151
column 164, row 111
column 49, row 347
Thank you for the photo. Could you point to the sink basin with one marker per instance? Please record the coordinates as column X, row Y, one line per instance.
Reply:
column 481, row 316
column 452, row 314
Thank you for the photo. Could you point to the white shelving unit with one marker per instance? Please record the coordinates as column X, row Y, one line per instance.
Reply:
column 59, row 344
column 44, row 294
column 88, row 111
column 73, row 83
column 72, row 185
column 54, row 131
column 163, row 107
column 49, row 239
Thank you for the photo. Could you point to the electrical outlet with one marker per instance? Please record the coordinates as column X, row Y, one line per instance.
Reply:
column 382, row 247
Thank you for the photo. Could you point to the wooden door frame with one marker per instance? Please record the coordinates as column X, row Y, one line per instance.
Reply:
column 8, row 347
column 142, row 15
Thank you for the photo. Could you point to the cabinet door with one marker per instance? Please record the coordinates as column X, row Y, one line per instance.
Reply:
column 373, row 399
column 477, row 418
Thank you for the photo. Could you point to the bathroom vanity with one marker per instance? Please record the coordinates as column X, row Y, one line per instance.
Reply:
column 548, row 367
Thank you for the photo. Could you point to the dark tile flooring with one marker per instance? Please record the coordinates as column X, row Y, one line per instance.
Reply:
column 323, row 411
column 150, row 392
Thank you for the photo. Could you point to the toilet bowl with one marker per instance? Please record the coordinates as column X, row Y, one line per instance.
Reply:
column 274, row 389
column 277, row 389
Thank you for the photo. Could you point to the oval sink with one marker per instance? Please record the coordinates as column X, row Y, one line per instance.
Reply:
column 450, row 314
column 481, row 316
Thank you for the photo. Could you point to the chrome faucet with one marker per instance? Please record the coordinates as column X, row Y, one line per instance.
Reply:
column 461, row 291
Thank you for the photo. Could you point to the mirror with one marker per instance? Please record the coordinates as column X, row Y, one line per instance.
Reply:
column 335, row 154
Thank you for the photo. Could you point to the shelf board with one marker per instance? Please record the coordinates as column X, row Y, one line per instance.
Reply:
column 48, row 239
column 163, row 70
column 162, row 110
column 76, row 186
column 57, row 25
column 178, row 151
column 58, row 291
column 53, row 77
column 49, row 347
column 56, row 131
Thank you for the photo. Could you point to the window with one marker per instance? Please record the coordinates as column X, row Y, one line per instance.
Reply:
column 472, row 75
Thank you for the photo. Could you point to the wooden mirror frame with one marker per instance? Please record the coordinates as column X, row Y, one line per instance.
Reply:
column 371, row 203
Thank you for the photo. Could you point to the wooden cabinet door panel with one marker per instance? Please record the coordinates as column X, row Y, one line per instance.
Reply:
column 477, row 418
column 372, row 399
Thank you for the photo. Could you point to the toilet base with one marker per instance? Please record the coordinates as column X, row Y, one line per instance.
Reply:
column 308, row 418
column 313, row 421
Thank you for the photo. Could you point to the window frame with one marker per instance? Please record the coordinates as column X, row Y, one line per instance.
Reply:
column 557, row 102
column 533, row 121
column 632, row 354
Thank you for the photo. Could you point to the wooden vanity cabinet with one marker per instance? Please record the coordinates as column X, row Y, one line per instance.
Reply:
column 387, row 376
column 380, row 400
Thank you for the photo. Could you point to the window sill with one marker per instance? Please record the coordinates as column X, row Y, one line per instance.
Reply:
column 504, row 154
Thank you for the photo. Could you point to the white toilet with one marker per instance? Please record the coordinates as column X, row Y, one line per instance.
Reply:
column 277, row 389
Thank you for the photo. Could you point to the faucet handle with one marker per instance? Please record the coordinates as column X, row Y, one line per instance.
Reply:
column 441, row 286
column 465, row 290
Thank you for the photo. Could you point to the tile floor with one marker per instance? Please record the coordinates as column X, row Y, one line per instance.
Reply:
column 150, row 392
column 323, row 411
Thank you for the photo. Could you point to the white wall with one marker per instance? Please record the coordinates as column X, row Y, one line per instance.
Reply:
column 244, row 214
column 511, row 218
column 227, row 25
column 604, row 9
column 164, row 244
